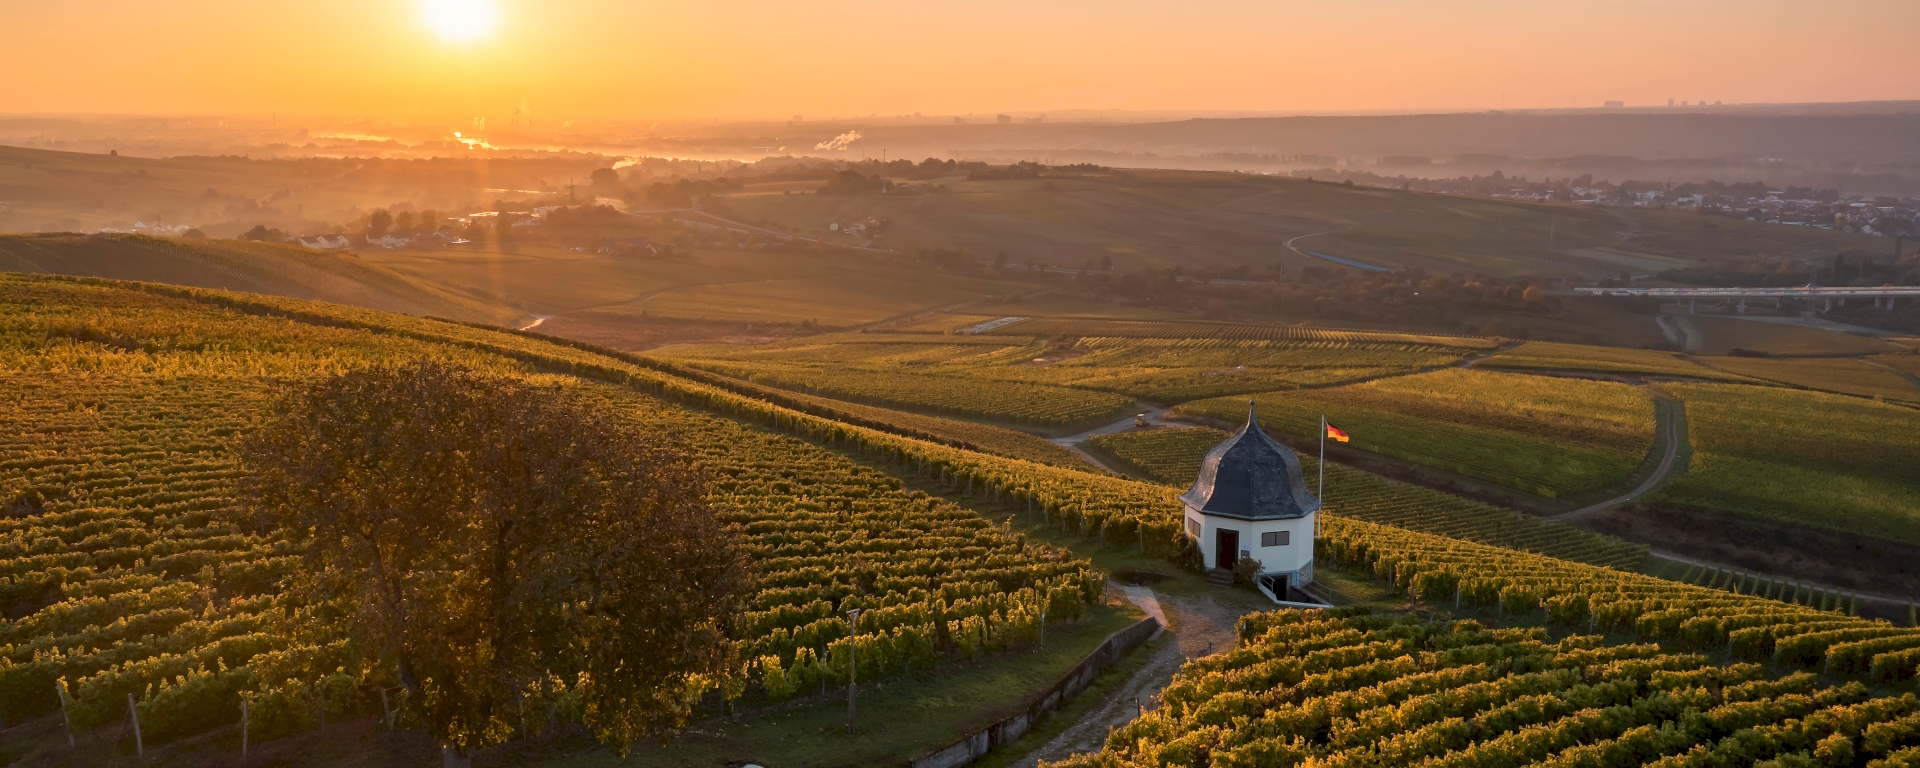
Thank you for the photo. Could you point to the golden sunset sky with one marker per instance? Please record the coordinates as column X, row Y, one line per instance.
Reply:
column 758, row 59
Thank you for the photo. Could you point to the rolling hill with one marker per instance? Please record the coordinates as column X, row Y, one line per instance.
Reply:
column 270, row 268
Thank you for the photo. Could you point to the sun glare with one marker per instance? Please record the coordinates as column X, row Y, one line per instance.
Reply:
column 461, row 21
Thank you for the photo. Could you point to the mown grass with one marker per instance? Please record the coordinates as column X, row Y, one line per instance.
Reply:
column 1553, row 437
column 1812, row 459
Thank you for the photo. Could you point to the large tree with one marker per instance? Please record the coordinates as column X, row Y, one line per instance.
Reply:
column 489, row 537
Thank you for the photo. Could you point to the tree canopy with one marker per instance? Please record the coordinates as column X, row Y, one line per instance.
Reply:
column 495, row 545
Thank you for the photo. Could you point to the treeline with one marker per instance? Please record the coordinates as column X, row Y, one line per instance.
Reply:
column 1332, row 293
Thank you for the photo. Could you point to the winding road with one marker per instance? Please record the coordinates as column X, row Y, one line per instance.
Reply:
column 1200, row 625
column 1154, row 416
column 1670, row 430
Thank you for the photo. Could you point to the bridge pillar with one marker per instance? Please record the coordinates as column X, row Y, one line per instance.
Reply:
column 1876, row 302
column 1828, row 307
column 1742, row 309
column 1690, row 305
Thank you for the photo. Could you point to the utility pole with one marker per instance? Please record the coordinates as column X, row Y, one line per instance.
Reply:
column 853, row 661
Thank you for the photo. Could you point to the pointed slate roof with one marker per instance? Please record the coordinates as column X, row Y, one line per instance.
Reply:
column 1251, row 477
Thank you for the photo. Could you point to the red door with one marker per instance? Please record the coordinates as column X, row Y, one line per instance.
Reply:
column 1226, row 547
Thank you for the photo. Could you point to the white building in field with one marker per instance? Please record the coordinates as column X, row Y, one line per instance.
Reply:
column 1251, row 501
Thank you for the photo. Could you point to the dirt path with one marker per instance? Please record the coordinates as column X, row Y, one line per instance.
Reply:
column 1680, row 331
column 1153, row 415
column 1910, row 378
column 1671, row 415
column 1200, row 626
column 1689, row 330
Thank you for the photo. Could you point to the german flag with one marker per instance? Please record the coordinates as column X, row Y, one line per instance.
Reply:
column 1336, row 433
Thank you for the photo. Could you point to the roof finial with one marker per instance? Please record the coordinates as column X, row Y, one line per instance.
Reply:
column 1251, row 422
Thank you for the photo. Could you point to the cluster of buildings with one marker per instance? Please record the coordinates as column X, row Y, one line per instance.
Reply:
column 1884, row 216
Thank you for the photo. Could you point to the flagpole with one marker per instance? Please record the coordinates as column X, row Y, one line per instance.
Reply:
column 1323, row 473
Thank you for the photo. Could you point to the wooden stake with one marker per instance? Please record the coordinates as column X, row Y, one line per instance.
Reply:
column 60, row 688
column 386, row 712
column 853, row 661
column 246, row 722
column 139, row 744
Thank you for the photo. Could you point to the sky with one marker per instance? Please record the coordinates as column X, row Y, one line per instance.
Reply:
column 767, row 59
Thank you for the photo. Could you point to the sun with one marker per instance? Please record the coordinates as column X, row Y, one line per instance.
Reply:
column 460, row 21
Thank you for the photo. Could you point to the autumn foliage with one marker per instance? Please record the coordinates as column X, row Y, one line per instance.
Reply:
column 496, row 544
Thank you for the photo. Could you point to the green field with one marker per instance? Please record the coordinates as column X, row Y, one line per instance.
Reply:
column 1811, row 459
column 1833, row 374
column 1199, row 330
column 1011, row 402
column 1154, row 369
column 1722, row 335
column 986, row 438
column 1554, row 437
column 1550, row 356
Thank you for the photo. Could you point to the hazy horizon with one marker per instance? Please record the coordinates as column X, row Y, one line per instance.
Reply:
column 749, row 60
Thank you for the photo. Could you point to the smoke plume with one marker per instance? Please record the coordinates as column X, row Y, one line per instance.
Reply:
column 839, row 142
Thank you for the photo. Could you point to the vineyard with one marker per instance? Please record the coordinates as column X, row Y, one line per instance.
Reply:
column 1151, row 329
column 122, row 577
column 1554, row 437
column 985, row 438
column 1552, row 356
column 1172, row 456
column 1848, row 376
column 1804, row 458
column 1011, row 402
column 1161, row 370
column 1339, row 689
